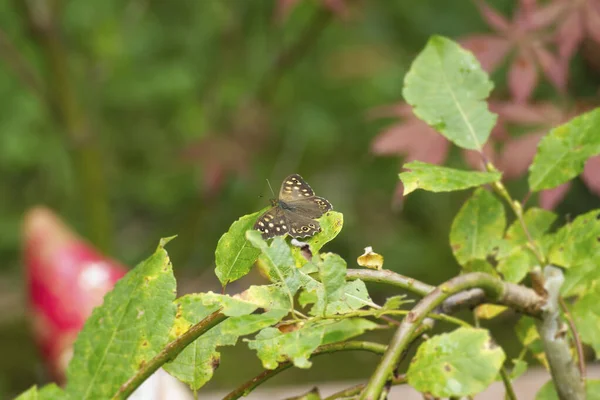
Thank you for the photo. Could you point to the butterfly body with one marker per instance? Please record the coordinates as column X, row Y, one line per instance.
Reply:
column 294, row 212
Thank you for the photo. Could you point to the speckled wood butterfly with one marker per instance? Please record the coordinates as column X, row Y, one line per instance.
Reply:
column 294, row 212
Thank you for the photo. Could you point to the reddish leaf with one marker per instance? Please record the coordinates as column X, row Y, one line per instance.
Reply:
column 554, row 69
column 518, row 154
column 490, row 50
column 522, row 77
column 550, row 198
column 413, row 139
column 592, row 20
column 546, row 16
column 493, row 18
column 544, row 113
column 569, row 36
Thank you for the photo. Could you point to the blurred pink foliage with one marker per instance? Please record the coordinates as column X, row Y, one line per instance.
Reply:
column 529, row 36
column 533, row 35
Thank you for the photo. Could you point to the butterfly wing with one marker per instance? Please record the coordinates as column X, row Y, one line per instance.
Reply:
column 301, row 226
column 272, row 223
column 300, row 198
column 311, row 207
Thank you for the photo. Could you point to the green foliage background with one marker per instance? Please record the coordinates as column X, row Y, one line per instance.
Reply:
column 156, row 78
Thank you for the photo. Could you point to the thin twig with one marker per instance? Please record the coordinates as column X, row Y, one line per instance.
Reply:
column 510, row 391
column 576, row 337
column 169, row 352
column 259, row 379
column 378, row 314
column 516, row 296
column 390, row 278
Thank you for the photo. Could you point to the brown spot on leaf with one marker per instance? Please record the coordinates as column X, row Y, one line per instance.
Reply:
column 490, row 344
column 215, row 362
column 447, row 367
column 456, row 247
column 141, row 364
column 286, row 327
column 145, row 343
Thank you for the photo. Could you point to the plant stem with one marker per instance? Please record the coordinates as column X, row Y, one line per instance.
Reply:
column 390, row 278
column 261, row 378
column 377, row 314
column 537, row 279
column 510, row 391
column 517, row 208
column 168, row 353
column 565, row 375
column 576, row 337
column 518, row 297
column 354, row 390
column 494, row 288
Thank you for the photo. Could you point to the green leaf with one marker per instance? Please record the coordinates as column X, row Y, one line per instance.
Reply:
column 272, row 346
column 537, row 220
column 349, row 297
column 586, row 313
column 447, row 89
column 195, row 365
column 442, row 179
column 577, row 242
column 234, row 255
column 515, row 259
column 461, row 363
column 480, row 266
column 478, row 227
column 396, row 302
column 581, row 277
column 277, row 262
column 269, row 297
column 48, row 392
column 530, row 338
column 514, row 268
column 332, row 270
column 130, row 328
column 346, row 329
column 519, row 368
column 331, row 224
column 353, row 296
column 230, row 306
column 29, row 394
column 547, row 392
column 562, row 154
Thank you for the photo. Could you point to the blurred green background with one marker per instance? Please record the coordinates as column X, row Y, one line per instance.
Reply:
column 141, row 119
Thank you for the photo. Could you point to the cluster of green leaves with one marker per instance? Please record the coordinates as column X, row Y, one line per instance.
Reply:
column 308, row 302
column 447, row 89
column 141, row 315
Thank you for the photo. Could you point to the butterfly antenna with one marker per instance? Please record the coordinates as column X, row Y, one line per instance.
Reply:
column 271, row 187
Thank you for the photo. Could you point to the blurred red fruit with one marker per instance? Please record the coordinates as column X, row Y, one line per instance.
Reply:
column 66, row 279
